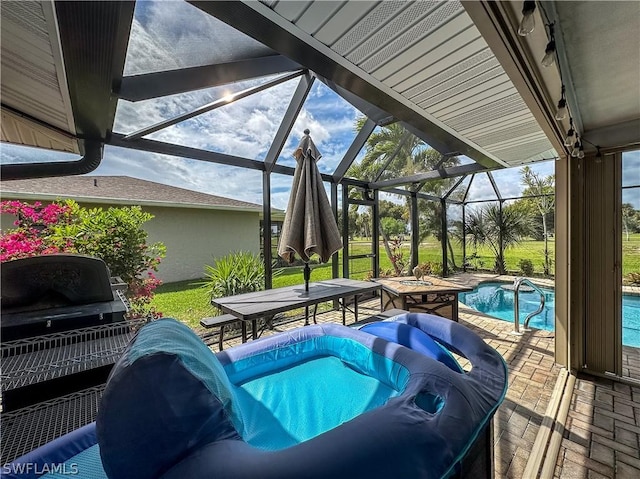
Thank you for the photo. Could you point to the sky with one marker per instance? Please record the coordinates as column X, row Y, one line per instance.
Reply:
column 167, row 35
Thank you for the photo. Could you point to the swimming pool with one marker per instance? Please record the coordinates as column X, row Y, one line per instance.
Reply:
column 492, row 299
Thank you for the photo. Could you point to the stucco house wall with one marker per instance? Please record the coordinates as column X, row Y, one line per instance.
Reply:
column 195, row 227
column 193, row 236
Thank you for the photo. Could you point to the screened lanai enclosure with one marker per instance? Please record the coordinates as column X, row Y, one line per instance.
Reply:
column 437, row 121
column 412, row 105
column 411, row 125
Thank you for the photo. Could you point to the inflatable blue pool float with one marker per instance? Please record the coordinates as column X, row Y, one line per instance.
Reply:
column 321, row 401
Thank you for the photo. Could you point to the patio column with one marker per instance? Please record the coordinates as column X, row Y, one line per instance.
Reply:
column 500, row 238
column 345, row 231
column 444, row 238
column 266, row 229
column 566, row 226
column 375, row 233
column 415, row 230
column 334, row 208
column 464, row 238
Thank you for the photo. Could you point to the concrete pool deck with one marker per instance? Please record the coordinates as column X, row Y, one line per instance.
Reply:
column 601, row 436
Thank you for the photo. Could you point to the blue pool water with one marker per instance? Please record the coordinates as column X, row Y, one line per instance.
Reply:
column 492, row 299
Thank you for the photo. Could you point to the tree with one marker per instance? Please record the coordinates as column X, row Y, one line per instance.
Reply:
column 389, row 209
column 363, row 224
column 393, row 227
column 393, row 152
column 630, row 219
column 475, row 230
column 498, row 229
column 353, row 217
column 544, row 201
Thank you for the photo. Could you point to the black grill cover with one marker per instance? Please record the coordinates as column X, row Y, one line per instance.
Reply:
column 52, row 293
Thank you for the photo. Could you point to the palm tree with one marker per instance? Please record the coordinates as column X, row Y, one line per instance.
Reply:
column 393, row 152
column 499, row 229
column 380, row 149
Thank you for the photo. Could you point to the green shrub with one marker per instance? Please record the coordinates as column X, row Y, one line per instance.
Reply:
column 436, row 269
column 431, row 268
column 526, row 267
column 238, row 272
column 115, row 235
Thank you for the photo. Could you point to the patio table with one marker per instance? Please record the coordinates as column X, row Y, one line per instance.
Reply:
column 259, row 304
column 431, row 295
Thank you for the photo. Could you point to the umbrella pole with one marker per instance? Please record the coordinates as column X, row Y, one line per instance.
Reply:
column 307, row 276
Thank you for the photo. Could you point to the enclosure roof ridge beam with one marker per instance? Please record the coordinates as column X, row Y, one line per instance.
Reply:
column 492, row 200
column 493, row 184
column 211, row 106
column 290, row 116
column 453, row 188
column 356, row 145
column 398, row 191
column 422, row 196
column 442, row 173
column 154, row 146
column 399, row 146
column 426, row 196
column 157, row 84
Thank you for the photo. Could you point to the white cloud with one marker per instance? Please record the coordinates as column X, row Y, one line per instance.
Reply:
column 173, row 34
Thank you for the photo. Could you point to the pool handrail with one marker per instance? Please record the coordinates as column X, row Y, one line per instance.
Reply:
column 516, row 303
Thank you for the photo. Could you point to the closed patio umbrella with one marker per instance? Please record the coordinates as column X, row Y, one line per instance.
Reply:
column 309, row 225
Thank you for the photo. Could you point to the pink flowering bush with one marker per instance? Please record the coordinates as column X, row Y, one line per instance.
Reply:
column 34, row 225
column 115, row 235
column 142, row 289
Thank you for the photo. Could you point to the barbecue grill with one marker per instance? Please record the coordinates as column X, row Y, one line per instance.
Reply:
column 53, row 293
column 63, row 327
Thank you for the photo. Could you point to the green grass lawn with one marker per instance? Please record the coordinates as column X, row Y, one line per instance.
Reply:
column 184, row 300
column 188, row 302
column 431, row 250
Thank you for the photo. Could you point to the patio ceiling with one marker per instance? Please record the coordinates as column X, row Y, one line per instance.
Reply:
column 33, row 79
column 454, row 74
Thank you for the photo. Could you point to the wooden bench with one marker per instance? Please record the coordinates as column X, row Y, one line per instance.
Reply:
column 221, row 322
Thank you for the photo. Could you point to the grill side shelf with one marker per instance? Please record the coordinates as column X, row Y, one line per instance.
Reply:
column 25, row 429
column 43, row 358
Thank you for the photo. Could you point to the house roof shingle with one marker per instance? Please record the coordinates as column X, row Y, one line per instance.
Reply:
column 120, row 190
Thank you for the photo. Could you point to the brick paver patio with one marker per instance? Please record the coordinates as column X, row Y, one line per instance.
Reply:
column 603, row 430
